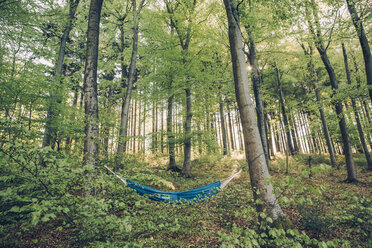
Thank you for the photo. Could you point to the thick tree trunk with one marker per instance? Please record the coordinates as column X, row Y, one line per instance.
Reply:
column 363, row 43
column 90, row 85
column 359, row 126
column 259, row 174
column 131, row 76
column 223, row 128
column 53, row 112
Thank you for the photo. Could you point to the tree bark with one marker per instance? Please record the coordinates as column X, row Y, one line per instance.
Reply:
column 314, row 80
column 232, row 140
column 223, row 128
column 184, row 35
column 342, row 123
column 90, row 85
column 186, row 169
column 259, row 174
column 53, row 112
column 351, row 172
column 363, row 43
column 256, row 82
column 285, row 118
column 359, row 126
column 172, row 161
column 131, row 76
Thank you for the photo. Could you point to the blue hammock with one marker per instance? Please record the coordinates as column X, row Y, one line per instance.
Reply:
column 195, row 195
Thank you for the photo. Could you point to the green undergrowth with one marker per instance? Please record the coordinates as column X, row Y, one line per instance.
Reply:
column 44, row 204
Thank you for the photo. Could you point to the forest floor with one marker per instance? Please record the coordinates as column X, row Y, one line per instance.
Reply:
column 324, row 210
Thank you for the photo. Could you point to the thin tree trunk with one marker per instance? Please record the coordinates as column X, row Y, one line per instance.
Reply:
column 270, row 137
column 53, row 112
column 259, row 174
column 162, row 129
column 281, row 102
column 172, row 161
column 363, row 43
column 156, row 127
column 231, row 131
column 314, row 80
column 144, row 128
column 256, row 82
column 241, row 146
column 131, row 76
column 351, row 172
column 135, row 126
column 359, row 125
column 186, row 169
column 106, row 127
column 223, row 129
column 139, row 127
column 294, row 138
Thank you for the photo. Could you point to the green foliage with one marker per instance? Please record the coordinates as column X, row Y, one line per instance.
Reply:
column 358, row 215
column 314, row 218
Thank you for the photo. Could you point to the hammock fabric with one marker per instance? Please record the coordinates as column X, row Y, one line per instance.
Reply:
column 195, row 195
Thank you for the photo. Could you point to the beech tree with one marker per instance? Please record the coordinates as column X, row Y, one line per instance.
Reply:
column 358, row 24
column 184, row 29
column 90, row 85
column 55, row 99
column 130, row 81
column 258, row 170
column 315, row 29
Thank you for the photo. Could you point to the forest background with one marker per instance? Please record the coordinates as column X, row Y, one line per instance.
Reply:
column 175, row 95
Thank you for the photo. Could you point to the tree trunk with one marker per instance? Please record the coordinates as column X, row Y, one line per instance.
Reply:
column 259, row 174
column 256, row 82
column 351, row 177
column 186, row 169
column 139, row 126
column 131, row 76
column 232, row 140
column 293, row 127
column 106, row 126
column 351, row 172
column 53, row 112
column 314, row 80
column 90, row 85
column 285, row 118
column 359, row 126
column 172, row 161
column 223, row 128
column 363, row 43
